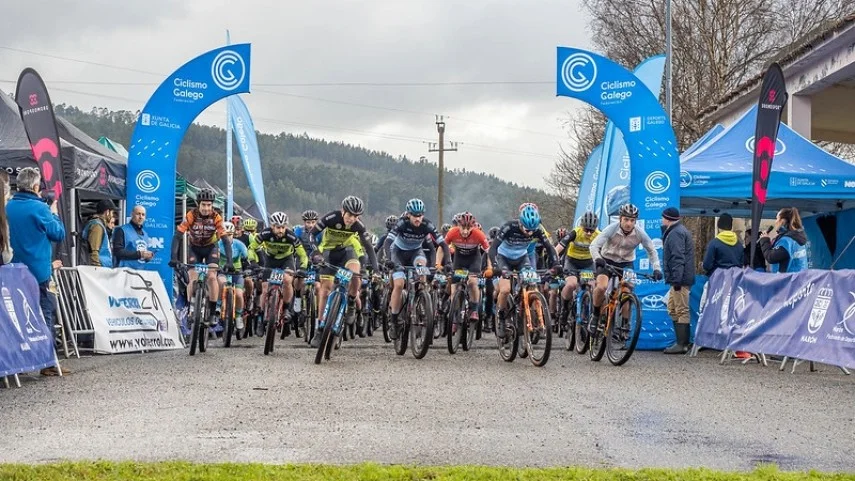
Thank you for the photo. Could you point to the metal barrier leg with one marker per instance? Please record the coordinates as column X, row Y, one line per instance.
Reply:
column 784, row 363
column 763, row 360
column 845, row 371
column 812, row 367
column 6, row 382
column 725, row 355
column 65, row 322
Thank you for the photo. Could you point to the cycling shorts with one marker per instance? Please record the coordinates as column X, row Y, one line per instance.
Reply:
column 619, row 265
column 573, row 266
column 237, row 280
column 512, row 265
column 286, row 263
column 339, row 257
column 209, row 254
column 471, row 263
column 406, row 258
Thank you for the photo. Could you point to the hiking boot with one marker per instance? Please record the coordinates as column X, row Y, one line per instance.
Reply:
column 316, row 339
column 682, row 344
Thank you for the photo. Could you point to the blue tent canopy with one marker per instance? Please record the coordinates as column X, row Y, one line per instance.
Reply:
column 713, row 133
column 716, row 176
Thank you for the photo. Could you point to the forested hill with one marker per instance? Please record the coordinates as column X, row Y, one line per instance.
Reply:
column 301, row 172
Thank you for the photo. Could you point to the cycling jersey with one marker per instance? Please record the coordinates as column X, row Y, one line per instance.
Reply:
column 310, row 242
column 577, row 244
column 278, row 248
column 408, row 237
column 252, row 254
column 513, row 243
column 466, row 246
column 336, row 235
column 202, row 230
column 616, row 246
column 239, row 252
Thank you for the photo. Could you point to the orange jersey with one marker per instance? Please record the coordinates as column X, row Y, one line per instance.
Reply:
column 466, row 246
column 203, row 231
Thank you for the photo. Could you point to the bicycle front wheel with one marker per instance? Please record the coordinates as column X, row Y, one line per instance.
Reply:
column 229, row 316
column 455, row 329
column 199, row 308
column 537, row 329
column 271, row 317
column 624, row 330
column 421, row 332
column 580, row 324
column 325, row 347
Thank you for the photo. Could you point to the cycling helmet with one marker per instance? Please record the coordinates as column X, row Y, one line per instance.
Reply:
column 455, row 221
column 278, row 218
column 530, row 217
column 526, row 204
column 560, row 233
column 310, row 215
column 494, row 231
column 628, row 210
column 589, row 220
column 466, row 219
column 391, row 221
column 236, row 220
column 353, row 205
column 229, row 227
column 206, row 195
column 444, row 229
column 477, row 225
column 415, row 207
column 250, row 225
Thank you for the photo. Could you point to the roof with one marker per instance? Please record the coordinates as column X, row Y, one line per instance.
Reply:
column 787, row 56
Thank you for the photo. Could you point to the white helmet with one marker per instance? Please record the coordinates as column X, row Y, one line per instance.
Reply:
column 230, row 228
column 278, row 218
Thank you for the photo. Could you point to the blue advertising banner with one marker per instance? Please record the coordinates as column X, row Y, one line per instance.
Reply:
column 615, row 154
column 588, row 186
column 157, row 137
column 807, row 315
column 637, row 114
column 26, row 343
column 657, row 331
column 244, row 130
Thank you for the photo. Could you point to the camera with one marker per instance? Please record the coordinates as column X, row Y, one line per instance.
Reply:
column 48, row 197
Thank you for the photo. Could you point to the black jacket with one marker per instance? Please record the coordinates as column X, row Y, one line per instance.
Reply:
column 723, row 252
column 678, row 256
column 780, row 256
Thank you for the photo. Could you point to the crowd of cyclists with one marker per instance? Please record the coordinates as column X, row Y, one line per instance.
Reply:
column 309, row 255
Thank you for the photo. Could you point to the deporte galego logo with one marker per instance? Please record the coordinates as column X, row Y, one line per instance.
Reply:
column 228, row 70
column 579, row 72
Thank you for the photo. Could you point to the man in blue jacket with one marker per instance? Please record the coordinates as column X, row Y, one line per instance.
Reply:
column 34, row 226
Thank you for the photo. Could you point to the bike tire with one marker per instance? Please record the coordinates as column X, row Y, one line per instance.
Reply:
column 310, row 314
column 271, row 317
column 580, row 324
column 540, row 335
column 403, row 338
column 229, row 307
column 597, row 337
column 620, row 357
column 508, row 347
column 198, row 315
column 455, row 319
column 567, row 329
column 424, row 314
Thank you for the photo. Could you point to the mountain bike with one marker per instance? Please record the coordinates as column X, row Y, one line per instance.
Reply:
column 417, row 318
column 228, row 300
column 613, row 334
column 529, row 320
column 574, row 322
column 384, row 307
column 308, row 314
column 201, row 316
column 273, row 308
column 334, row 312
column 461, row 329
column 441, row 308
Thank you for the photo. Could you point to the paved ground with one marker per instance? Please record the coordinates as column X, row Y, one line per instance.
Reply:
column 370, row 405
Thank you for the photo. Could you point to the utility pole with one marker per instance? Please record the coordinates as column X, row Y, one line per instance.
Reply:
column 441, row 148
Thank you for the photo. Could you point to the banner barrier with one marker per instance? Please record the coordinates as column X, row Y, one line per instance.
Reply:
column 25, row 339
column 129, row 310
column 808, row 315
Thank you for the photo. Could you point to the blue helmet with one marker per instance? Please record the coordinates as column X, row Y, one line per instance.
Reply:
column 530, row 217
column 415, row 206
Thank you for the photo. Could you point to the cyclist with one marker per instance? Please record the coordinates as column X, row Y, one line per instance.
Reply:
column 341, row 230
column 407, row 250
column 248, row 232
column 237, row 221
column 576, row 245
column 509, row 253
column 468, row 242
column 445, row 228
column 280, row 244
column 304, row 232
column 391, row 221
column 239, row 259
column 615, row 246
column 560, row 234
column 204, row 228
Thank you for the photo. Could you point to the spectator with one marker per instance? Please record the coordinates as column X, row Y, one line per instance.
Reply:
column 5, row 247
column 678, row 256
column 759, row 261
column 97, row 235
column 786, row 250
column 725, row 251
column 37, row 224
column 131, row 242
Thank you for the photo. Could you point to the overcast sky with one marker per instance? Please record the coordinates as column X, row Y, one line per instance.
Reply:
column 512, row 130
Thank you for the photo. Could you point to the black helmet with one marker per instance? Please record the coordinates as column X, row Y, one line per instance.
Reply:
column 590, row 221
column 445, row 228
column 391, row 221
column 353, row 205
column 310, row 215
column 628, row 210
column 494, row 231
column 206, row 195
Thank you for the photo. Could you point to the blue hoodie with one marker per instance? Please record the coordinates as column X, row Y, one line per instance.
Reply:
column 32, row 228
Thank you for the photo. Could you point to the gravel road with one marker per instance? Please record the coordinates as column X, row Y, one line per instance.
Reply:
column 471, row 408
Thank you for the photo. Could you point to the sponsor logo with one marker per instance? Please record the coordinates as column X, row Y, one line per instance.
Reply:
column 624, row 167
column 102, row 176
column 579, row 72
column 146, row 308
column 156, row 242
column 848, row 315
column 653, row 301
column 126, row 302
column 148, row 181
column 635, row 124
column 849, row 184
column 780, row 146
column 657, row 243
column 34, row 100
column 820, row 308
column 145, row 119
column 801, row 181
column 685, row 179
column 657, row 182
column 228, row 70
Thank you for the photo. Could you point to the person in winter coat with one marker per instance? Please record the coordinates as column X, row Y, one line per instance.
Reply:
column 678, row 255
column 725, row 251
column 97, row 235
column 785, row 249
column 759, row 261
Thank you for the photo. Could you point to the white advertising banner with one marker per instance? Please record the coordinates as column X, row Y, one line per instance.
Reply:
column 129, row 309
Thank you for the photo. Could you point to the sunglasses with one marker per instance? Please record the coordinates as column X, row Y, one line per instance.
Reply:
column 588, row 231
column 418, row 216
